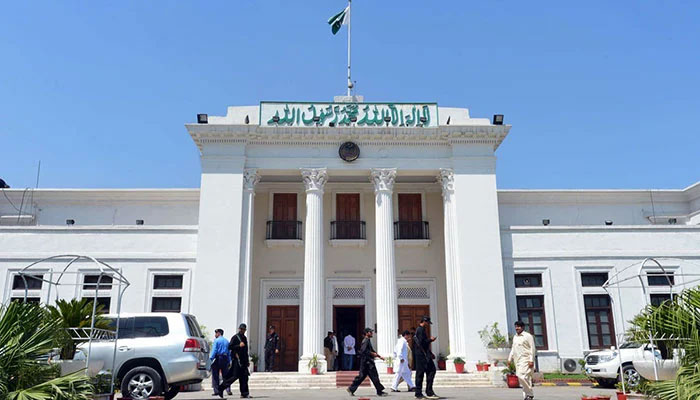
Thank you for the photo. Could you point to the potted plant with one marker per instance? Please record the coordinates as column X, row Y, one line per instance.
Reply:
column 254, row 360
column 621, row 394
column 509, row 373
column 482, row 366
column 442, row 362
column 497, row 344
column 389, row 364
column 459, row 365
column 313, row 364
column 102, row 386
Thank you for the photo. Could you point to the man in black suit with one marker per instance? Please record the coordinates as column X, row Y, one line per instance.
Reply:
column 367, row 367
column 239, row 363
column 423, row 358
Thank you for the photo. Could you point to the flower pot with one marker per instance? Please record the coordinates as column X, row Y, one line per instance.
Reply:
column 479, row 367
column 255, row 368
column 512, row 381
column 459, row 368
column 314, row 370
column 442, row 365
column 500, row 354
column 389, row 370
column 486, row 367
column 621, row 396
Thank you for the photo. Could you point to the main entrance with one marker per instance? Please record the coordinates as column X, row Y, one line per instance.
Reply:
column 285, row 319
column 349, row 320
column 409, row 318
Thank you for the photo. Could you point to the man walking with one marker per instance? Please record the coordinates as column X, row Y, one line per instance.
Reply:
column 367, row 367
column 328, row 350
column 423, row 358
column 523, row 355
column 239, row 368
column 272, row 347
column 348, row 352
column 220, row 360
column 401, row 363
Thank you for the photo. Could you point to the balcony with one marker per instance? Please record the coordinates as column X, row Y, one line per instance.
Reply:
column 283, row 233
column 348, row 234
column 411, row 234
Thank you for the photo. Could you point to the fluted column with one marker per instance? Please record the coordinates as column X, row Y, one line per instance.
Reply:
column 250, row 179
column 387, row 308
column 314, row 180
column 452, row 270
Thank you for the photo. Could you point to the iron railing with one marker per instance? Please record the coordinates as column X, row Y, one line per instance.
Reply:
column 348, row 230
column 283, row 230
column 408, row 230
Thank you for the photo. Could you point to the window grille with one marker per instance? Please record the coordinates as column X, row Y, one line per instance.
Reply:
column 283, row 293
column 413, row 293
column 349, row 293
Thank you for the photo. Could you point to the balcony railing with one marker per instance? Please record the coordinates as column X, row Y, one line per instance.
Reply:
column 348, row 230
column 283, row 230
column 409, row 230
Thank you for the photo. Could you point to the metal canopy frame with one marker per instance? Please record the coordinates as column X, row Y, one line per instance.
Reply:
column 626, row 279
column 83, row 334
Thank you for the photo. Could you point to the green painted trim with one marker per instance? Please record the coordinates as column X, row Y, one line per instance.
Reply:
column 364, row 102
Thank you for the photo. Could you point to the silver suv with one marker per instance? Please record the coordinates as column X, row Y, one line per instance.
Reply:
column 157, row 353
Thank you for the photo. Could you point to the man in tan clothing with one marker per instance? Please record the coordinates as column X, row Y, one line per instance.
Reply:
column 523, row 355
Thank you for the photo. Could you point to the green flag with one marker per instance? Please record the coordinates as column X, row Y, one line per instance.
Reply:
column 339, row 20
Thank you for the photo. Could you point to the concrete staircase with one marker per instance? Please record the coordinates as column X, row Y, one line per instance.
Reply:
column 342, row 379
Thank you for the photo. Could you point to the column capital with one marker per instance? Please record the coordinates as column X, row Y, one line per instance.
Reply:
column 383, row 179
column 446, row 178
column 250, row 179
column 314, row 178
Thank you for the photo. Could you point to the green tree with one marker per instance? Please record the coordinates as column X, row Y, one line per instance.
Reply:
column 76, row 313
column 27, row 335
column 679, row 321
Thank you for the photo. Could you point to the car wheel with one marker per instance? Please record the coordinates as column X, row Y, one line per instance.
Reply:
column 606, row 383
column 631, row 376
column 172, row 392
column 141, row 383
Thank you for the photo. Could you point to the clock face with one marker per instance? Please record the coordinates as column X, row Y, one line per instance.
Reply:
column 349, row 151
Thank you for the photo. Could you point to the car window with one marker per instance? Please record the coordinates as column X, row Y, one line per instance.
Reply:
column 193, row 326
column 630, row 345
column 126, row 326
column 150, row 326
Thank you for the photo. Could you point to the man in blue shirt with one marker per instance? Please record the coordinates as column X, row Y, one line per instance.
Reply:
column 220, row 360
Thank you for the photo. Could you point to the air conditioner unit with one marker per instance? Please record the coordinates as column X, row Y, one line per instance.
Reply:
column 570, row 365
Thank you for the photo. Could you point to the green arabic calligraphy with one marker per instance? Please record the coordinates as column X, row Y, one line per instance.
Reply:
column 350, row 114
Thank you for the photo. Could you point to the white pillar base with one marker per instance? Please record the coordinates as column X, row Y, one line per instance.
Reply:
column 305, row 369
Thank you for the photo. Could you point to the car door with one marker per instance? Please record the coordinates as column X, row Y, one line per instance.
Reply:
column 102, row 352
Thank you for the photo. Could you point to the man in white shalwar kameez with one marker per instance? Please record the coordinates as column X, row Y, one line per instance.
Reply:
column 523, row 355
column 401, row 368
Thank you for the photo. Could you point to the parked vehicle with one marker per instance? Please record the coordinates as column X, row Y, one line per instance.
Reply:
column 157, row 353
column 604, row 365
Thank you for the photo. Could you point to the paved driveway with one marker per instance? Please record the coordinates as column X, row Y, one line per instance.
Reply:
column 541, row 393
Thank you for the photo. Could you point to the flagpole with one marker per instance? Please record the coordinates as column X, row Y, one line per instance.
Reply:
column 349, row 25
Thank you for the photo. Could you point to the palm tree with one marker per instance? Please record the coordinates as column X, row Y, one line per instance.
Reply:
column 27, row 336
column 678, row 322
column 76, row 313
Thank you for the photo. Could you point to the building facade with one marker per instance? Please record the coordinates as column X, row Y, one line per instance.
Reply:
column 335, row 216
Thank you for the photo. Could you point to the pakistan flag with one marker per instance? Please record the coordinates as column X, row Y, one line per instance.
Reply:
column 339, row 20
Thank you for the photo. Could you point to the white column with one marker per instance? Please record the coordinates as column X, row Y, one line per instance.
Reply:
column 387, row 308
column 452, row 270
column 313, row 306
column 250, row 179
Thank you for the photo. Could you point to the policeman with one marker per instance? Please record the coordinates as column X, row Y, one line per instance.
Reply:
column 425, row 366
column 367, row 367
column 239, row 364
column 272, row 347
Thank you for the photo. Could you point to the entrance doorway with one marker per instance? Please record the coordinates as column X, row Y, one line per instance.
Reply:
column 285, row 319
column 349, row 320
column 409, row 319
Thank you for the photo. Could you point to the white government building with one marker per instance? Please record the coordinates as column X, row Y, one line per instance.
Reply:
column 335, row 216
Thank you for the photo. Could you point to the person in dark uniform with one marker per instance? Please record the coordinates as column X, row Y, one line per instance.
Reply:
column 272, row 347
column 423, row 358
column 367, row 367
column 239, row 363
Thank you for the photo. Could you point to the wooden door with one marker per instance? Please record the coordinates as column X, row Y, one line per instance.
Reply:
column 285, row 319
column 347, row 216
column 410, row 316
column 410, row 216
column 284, row 216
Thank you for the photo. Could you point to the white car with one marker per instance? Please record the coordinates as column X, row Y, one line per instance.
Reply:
column 604, row 365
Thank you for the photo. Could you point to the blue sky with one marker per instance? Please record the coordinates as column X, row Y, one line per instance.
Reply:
column 600, row 94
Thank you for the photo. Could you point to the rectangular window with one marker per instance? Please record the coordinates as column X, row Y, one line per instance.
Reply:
column 105, row 302
column 150, row 326
column 34, row 282
column 531, row 312
column 284, row 224
column 34, row 300
column 657, row 298
column 660, row 279
column 347, row 224
column 528, row 280
column 167, row 282
column 593, row 279
column 599, row 320
column 90, row 282
column 166, row 304
column 410, row 207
